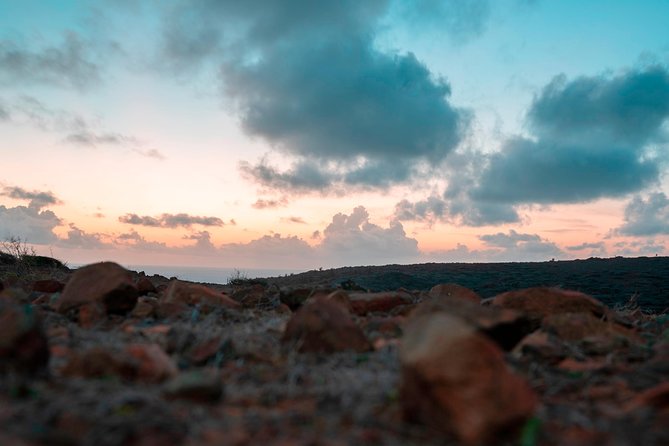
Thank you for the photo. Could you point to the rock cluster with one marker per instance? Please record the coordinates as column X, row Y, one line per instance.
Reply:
column 109, row 356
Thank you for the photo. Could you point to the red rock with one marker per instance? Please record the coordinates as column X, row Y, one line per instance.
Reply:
column 453, row 290
column 137, row 362
column 541, row 302
column 388, row 326
column 91, row 314
column 656, row 397
column 589, row 365
column 323, row 326
column 191, row 294
column 540, row 346
column 206, row 349
column 577, row 326
column 455, row 380
column 154, row 365
column 146, row 307
column 171, row 310
column 145, row 286
column 107, row 283
column 48, row 286
column 23, row 345
column 363, row 303
column 505, row 327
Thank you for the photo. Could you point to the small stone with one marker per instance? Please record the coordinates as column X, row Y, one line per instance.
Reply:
column 364, row 303
column 154, row 365
column 453, row 290
column 191, row 294
column 107, row 283
column 323, row 326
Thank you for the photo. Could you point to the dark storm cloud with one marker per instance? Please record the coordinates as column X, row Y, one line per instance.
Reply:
column 592, row 138
column 170, row 220
column 38, row 199
column 69, row 64
column 307, row 77
column 646, row 217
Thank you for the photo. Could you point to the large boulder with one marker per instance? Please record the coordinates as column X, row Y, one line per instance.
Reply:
column 107, row 284
column 454, row 379
column 324, row 326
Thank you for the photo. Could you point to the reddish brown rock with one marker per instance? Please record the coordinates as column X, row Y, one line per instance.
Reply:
column 191, row 294
column 455, row 380
column 137, row 362
column 656, row 397
column 540, row 346
column 23, row 345
column 453, row 290
column 91, row 314
column 107, row 283
column 153, row 364
column 505, row 327
column 540, row 302
column 364, row 303
column 48, row 286
column 146, row 307
column 145, row 286
column 323, row 326
column 577, row 326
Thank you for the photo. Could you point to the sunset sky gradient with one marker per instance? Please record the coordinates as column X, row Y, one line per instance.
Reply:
column 298, row 134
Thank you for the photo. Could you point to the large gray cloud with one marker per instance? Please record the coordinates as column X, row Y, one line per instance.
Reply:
column 29, row 223
column 593, row 138
column 170, row 220
column 69, row 64
column 646, row 217
column 590, row 138
column 307, row 78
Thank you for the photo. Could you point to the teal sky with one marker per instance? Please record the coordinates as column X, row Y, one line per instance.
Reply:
column 283, row 133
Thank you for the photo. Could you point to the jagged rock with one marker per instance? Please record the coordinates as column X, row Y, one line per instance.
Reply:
column 454, row 379
column 107, row 283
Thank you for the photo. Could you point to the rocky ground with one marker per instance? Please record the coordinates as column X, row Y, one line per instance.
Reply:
column 103, row 356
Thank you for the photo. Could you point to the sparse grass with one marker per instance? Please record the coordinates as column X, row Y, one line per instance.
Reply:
column 240, row 278
column 21, row 259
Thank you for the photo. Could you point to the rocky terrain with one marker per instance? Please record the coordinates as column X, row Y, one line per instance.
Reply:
column 105, row 356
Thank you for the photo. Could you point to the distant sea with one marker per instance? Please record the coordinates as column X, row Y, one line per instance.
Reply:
column 206, row 275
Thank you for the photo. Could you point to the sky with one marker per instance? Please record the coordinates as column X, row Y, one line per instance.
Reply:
column 297, row 134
